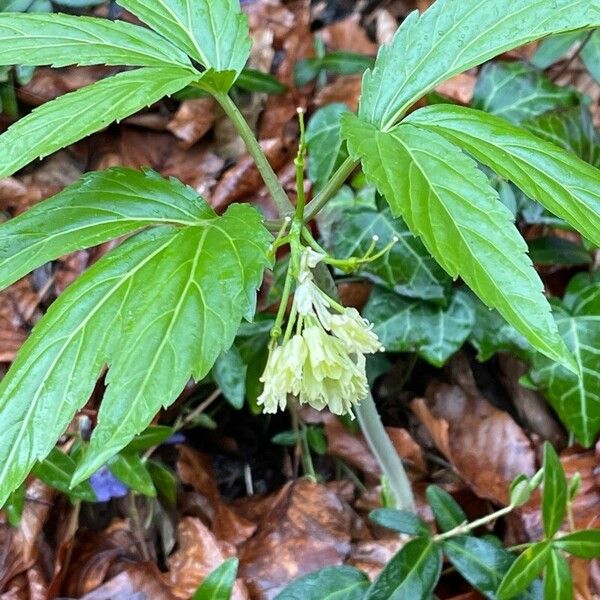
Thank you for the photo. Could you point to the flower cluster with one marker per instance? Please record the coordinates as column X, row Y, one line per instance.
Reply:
column 323, row 363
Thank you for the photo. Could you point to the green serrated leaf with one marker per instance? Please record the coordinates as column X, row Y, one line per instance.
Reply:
column 449, row 203
column 517, row 91
column 575, row 397
column 435, row 333
column 400, row 520
column 229, row 372
column 56, row 470
column 553, row 48
column 554, row 499
column 157, row 310
column 73, row 116
column 448, row 513
column 524, row 570
column 452, row 37
column 583, row 544
column 558, row 582
column 324, row 143
column 331, row 583
column 482, row 564
column 412, row 573
column 150, row 437
column 564, row 184
column 213, row 32
column 62, row 40
column 407, row 268
column 218, row 585
column 99, row 207
column 131, row 470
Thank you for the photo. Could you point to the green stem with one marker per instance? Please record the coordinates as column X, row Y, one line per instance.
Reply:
column 330, row 189
column 282, row 202
column 385, row 453
column 468, row 527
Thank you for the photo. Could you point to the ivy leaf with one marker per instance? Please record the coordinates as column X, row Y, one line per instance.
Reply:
column 583, row 544
column 62, row 40
column 576, row 398
column 572, row 129
column 324, row 143
column 407, row 268
column 554, row 504
column 213, row 32
column 218, row 585
column 449, row 203
column 229, row 372
column 517, row 91
column 435, row 333
column 73, row 116
column 524, row 570
column 330, row 583
column 553, row 48
column 558, row 582
column 131, row 470
column 412, row 573
column 158, row 309
column 101, row 206
column 447, row 512
column 452, row 37
column 566, row 185
column 481, row 563
column 590, row 55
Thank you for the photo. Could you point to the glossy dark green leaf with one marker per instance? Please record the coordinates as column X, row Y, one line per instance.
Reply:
column 131, row 470
column 553, row 48
column 480, row 562
column 229, row 372
column 164, row 481
column 449, row 204
column 583, row 544
column 219, row 584
column 213, row 32
column 492, row 334
column 152, row 436
column 331, row 583
column 564, row 184
column 252, row 80
column 339, row 62
column 412, row 573
column 558, row 582
column 315, row 436
column 61, row 40
column 101, row 206
column 554, row 503
column 524, row 570
column 452, row 37
column 447, row 512
column 558, row 251
column 400, row 520
column 13, row 508
column 435, row 333
column 324, row 143
column 517, row 91
column 407, row 268
column 56, row 470
column 71, row 117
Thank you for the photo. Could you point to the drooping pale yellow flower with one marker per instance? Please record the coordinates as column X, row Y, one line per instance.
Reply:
column 356, row 332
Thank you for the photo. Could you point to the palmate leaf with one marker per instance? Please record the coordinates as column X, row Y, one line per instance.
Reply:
column 215, row 33
column 73, row 116
column 99, row 207
column 453, row 36
column 61, row 40
column 449, row 204
column 564, row 184
column 158, row 309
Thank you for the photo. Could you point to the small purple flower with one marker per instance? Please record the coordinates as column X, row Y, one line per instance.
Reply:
column 176, row 438
column 107, row 486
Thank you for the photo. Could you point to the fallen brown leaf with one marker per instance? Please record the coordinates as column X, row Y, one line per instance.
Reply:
column 193, row 120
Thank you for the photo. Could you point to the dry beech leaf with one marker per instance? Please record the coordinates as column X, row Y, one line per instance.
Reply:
column 459, row 88
column 307, row 529
column 199, row 553
column 371, row 556
column 348, row 35
column 342, row 89
column 484, row 444
column 193, row 120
